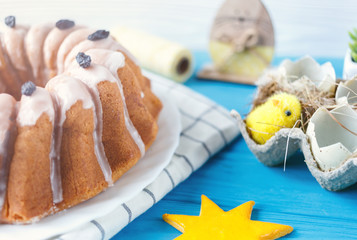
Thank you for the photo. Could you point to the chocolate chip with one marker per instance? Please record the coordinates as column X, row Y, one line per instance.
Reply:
column 64, row 24
column 98, row 35
column 28, row 88
column 83, row 60
column 10, row 21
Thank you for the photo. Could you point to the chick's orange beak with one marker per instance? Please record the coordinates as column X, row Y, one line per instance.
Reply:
column 275, row 102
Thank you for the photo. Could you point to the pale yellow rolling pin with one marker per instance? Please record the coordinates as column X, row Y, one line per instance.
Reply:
column 158, row 55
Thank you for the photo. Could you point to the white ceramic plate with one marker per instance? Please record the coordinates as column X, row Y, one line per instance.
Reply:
column 127, row 187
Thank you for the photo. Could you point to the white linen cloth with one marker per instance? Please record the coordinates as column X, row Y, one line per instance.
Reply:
column 206, row 128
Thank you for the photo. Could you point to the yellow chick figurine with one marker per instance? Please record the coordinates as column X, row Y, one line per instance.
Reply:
column 281, row 110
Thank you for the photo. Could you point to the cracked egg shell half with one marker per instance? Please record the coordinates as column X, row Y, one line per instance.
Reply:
column 332, row 144
column 347, row 92
column 306, row 71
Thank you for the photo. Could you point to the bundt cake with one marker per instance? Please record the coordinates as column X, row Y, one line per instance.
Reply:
column 75, row 114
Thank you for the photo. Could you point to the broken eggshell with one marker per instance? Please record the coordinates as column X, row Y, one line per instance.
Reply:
column 306, row 71
column 347, row 92
column 299, row 75
column 331, row 136
column 272, row 152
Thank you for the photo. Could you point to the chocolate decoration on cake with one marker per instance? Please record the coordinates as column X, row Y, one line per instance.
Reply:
column 83, row 60
column 98, row 35
column 28, row 88
column 64, row 24
column 10, row 21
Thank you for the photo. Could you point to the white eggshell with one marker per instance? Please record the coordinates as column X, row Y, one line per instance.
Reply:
column 347, row 92
column 331, row 144
column 349, row 66
column 306, row 71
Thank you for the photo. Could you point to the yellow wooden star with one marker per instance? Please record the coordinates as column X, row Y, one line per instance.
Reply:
column 214, row 223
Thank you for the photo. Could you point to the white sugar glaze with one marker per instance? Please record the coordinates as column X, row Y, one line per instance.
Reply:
column 95, row 74
column 91, row 77
column 67, row 91
column 114, row 60
column 34, row 42
column 8, row 109
column 68, row 44
column 7, row 105
column 53, row 41
column 13, row 40
column 107, row 43
column 32, row 107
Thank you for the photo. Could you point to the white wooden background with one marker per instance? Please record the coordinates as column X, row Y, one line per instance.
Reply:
column 315, row 27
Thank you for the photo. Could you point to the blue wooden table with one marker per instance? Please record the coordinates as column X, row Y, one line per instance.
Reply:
column 234, row 176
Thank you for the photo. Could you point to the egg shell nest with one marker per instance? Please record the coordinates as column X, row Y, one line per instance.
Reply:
column 310, row 100
column 274, row 151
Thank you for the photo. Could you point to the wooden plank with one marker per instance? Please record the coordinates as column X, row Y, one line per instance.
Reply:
column 235, row 176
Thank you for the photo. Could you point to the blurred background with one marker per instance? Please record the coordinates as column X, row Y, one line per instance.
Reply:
column 315, row 27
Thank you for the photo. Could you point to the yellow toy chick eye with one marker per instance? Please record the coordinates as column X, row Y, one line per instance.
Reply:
column 281, row 110
column 288, row 113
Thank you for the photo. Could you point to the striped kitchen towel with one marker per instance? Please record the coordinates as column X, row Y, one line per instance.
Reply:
column 206, row 128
